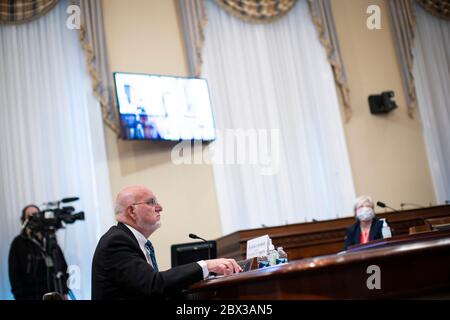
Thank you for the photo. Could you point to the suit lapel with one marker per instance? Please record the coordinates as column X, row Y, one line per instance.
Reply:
column 373, row 230
column 357, row 234
column 123, row 227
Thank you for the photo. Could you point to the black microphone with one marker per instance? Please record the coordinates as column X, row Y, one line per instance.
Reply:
column 194, row 236
column 383, row 205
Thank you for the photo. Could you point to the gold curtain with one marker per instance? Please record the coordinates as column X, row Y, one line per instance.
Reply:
column 438, row 8
column 323, row 20
column 21, row 11
column 257, row 11
column 92, row 37
column 403, row 22
column 193, row 19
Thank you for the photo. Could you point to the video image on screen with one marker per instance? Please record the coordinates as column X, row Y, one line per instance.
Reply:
column 154, row 107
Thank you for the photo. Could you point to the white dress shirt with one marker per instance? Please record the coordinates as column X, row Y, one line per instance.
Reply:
column 142, row 240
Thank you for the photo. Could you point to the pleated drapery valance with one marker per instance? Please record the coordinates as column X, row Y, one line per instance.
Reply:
column 92, row 37
column 257, row 11
column 193, row 19
column 438, row 8
column 21, row 11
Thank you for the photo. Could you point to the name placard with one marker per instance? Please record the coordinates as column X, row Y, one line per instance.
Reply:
column 258, row 247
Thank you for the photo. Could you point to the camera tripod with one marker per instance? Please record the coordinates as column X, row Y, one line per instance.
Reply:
column 55, row 273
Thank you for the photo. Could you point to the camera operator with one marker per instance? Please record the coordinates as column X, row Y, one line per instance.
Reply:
column 30, row 265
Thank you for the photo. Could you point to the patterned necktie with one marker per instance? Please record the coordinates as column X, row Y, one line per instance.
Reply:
column 149, row 246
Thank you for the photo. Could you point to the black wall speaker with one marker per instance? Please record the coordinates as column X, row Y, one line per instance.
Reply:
column 382, row 103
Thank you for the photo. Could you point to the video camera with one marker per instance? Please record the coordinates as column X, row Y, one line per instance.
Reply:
column 51, row 218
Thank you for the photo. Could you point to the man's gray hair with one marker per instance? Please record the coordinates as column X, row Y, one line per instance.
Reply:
column 123, row 200
column 119, row 208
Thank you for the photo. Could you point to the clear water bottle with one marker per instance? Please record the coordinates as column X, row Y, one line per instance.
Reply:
column 263, row 262
column 386, row 230
column 273, row 255
column 282, row 256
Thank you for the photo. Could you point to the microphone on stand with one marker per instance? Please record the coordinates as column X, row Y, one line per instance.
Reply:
column 411, row 204
column 194, row 236
column 383, row 205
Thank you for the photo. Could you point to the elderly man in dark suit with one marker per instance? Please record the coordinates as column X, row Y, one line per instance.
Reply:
column 124, row 265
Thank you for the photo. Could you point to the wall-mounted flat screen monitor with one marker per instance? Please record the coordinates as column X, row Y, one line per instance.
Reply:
column 156, row 107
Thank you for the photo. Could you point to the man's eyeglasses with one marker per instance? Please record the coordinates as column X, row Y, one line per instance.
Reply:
column 152, row 202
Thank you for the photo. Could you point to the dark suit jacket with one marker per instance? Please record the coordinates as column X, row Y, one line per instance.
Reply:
column 120, row 270
column 354, row 233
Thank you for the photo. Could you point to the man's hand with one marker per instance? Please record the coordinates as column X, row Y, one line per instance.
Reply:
column 223, row 266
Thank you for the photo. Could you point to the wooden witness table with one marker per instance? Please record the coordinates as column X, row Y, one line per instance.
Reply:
column 312, row 239
column 398, row 240
column 410, row 266
column 418, row 269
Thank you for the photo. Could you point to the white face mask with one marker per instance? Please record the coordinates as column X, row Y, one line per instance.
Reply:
column 365, row 214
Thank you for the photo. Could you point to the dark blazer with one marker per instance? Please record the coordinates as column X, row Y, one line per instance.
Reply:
column 120, row 270
column 28, row 271
column 354, row 233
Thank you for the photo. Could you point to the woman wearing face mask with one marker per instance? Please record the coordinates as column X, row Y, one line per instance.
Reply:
column 367, row 227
